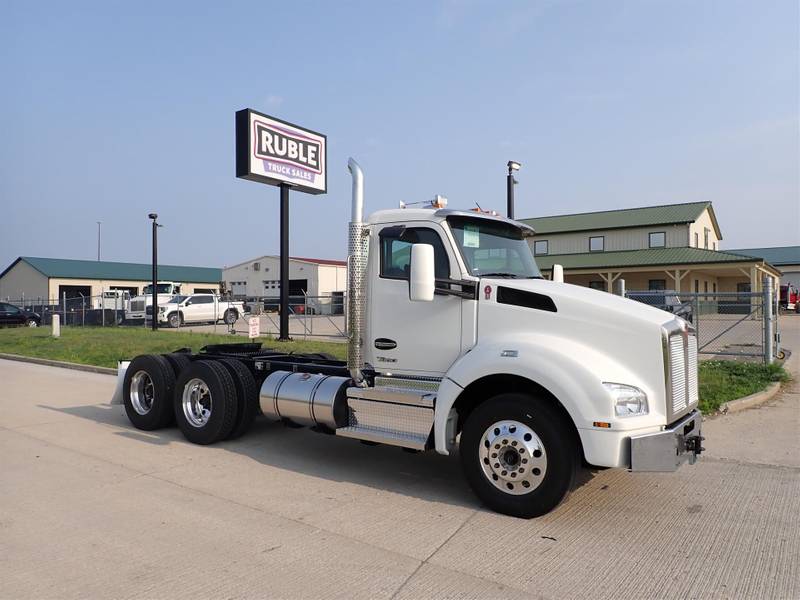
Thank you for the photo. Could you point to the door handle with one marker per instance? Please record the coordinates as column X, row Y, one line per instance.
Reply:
column 385, row 344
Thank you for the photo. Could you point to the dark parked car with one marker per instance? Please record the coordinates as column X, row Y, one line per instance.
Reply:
column 13, row 315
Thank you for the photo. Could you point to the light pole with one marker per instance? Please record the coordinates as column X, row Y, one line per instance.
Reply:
column 510, row 183
column 98, row 241
column 154, row 289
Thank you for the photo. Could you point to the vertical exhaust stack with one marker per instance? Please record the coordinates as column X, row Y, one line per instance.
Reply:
column 358, row 247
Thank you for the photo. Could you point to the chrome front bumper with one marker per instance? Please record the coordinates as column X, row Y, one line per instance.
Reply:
column 667, row 450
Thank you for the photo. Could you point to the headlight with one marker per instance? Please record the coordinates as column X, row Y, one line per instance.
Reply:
column 161, row 309
column 629, row 401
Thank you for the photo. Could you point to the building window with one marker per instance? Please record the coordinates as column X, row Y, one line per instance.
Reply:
column 540, row 247
column 715, row 287
column 705, row 287
column 597, row 243
column 657, row 284
column 705, row 237
column 696, row 286
column 256, row 266
column 743, row 288
column 598, row 285
column 696, row 240
column 658, row 239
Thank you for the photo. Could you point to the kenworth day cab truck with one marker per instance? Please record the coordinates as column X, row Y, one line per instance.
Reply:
column 455, row 341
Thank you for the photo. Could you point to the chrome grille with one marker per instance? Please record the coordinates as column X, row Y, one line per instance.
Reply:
column 691, row 370
column 137, row 305
column 681, row 370
column 677, row 373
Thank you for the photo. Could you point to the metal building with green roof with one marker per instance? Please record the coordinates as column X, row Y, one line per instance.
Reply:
column 34, row 278
column 672, row 246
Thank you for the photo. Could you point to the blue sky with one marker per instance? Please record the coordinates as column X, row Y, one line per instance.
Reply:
column 111, row 110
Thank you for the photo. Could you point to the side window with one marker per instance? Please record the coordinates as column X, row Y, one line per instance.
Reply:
column 204, row 300
column 396, row 251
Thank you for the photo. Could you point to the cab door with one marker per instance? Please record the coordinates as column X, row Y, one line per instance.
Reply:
column 405, row 337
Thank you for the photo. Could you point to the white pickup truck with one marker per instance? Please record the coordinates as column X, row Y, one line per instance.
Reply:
column 197, row 308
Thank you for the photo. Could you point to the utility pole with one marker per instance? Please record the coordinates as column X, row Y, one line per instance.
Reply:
column 154, row 290
column 510, row 183
column 98, row 241
column 284, row 316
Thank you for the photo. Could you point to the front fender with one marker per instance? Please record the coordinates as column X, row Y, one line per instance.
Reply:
column 571, row 371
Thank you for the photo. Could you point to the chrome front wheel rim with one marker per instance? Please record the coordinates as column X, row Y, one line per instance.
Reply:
column 142, row 392
column 196, row 402
column 512, row 457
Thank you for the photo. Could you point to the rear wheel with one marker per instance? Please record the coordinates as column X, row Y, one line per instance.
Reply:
column 246, row 396
column 230, row 316
column 32, row 323
column 518, row 455
column 205, row 402
column 177, row 361
column 147, row 392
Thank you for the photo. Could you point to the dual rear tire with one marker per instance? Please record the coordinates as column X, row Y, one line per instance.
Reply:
column 209, row 400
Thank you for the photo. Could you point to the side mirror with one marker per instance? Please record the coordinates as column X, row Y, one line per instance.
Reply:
column 422, row 281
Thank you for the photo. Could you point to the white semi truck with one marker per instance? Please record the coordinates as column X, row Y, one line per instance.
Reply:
column 456, row 342
column 164, row 291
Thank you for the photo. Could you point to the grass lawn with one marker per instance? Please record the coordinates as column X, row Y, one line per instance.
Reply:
column 101, row 346
column 721, row 381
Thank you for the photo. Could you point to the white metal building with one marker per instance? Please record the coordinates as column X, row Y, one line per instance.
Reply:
column 260, row 277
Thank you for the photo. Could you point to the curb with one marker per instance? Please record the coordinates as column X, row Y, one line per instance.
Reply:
column 58, row 363
column 751, row 400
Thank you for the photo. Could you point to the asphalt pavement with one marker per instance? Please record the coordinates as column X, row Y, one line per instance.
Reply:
column 90, row 507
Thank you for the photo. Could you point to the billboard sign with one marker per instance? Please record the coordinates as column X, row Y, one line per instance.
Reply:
column 275, row 152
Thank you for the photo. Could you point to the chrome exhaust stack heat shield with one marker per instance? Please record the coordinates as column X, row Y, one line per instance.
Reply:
column 357, row 251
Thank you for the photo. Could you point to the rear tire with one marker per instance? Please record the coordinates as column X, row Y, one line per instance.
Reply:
column 205, row 402
column 32, row 323
column 516, row 433
column 147, row 392
column 246, row 397
column 178, row 362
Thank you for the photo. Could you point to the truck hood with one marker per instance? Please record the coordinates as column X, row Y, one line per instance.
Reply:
column 576, row 301
column 620, row 338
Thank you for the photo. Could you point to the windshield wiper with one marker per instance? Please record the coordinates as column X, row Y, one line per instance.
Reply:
column 500, row 274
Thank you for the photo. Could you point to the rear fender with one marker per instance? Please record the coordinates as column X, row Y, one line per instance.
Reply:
column 122, row 368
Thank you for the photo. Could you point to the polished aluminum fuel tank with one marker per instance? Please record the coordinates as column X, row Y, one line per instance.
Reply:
column 305, row 398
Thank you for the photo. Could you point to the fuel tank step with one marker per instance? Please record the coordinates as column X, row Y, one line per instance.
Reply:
column 387, row 415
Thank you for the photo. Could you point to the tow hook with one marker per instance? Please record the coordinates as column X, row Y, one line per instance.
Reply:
column 694, row 445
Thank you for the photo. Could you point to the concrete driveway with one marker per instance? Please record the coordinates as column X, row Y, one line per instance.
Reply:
column 90, row 507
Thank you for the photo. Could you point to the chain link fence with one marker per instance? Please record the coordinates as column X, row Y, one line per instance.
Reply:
column 729, row 325
column 309, row 316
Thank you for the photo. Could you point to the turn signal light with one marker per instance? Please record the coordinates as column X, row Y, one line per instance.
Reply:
column 602, row 424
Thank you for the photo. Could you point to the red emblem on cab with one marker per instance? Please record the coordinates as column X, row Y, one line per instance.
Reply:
column 488, row 291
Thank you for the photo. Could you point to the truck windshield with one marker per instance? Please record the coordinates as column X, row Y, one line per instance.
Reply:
column 493, row 248
column 161, row 288
column 177, row 299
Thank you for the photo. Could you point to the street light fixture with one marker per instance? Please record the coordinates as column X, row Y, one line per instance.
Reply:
column 154, row 290
column 510, row 183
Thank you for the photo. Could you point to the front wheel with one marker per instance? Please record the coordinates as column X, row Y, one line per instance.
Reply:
column 230, row 317
column 519, row 455
column 174, row 320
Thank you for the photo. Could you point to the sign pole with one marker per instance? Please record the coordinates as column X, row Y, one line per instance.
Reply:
column 284, row 324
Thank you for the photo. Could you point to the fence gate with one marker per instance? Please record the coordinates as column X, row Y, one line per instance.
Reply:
column 728, row 324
